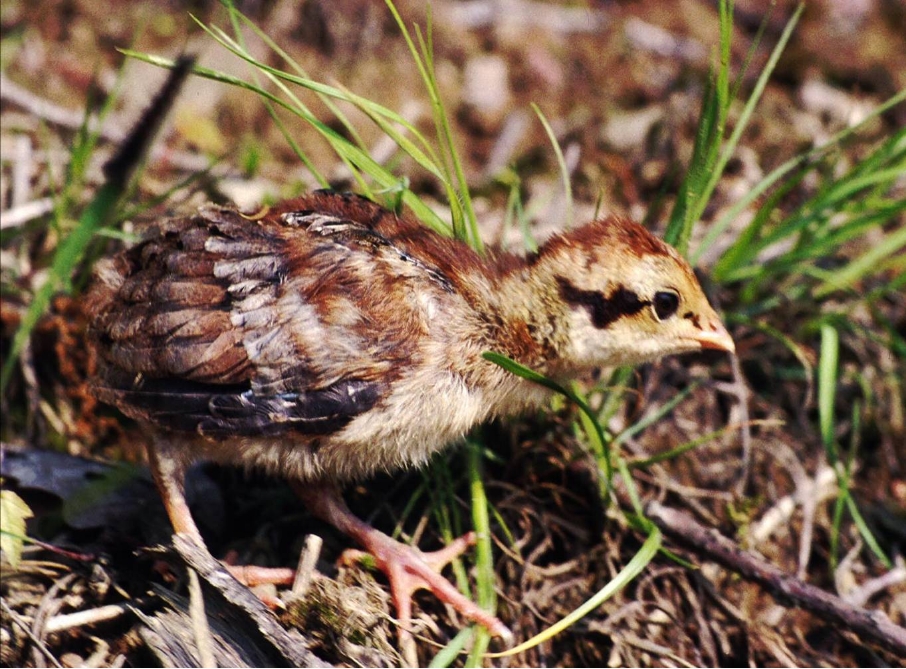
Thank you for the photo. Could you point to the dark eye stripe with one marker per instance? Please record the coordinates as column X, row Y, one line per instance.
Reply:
column 694, row 318
column 603, row 309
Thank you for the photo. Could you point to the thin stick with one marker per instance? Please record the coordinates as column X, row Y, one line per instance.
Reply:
column 101, row 614
column 200, row 626
column 874, row 625
column 16, row 618
column 306, row 567
column 289, row 643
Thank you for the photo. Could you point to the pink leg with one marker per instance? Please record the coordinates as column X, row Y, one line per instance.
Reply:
column 251, row 575
column 169, row 475
column 407, row 568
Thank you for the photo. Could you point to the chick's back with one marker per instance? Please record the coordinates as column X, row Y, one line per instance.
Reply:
column 299, row 319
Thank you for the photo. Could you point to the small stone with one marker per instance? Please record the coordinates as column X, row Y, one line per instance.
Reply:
column 627, row 131
column 486, row 90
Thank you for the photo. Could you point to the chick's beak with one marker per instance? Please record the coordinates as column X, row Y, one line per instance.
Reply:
column 715, row 337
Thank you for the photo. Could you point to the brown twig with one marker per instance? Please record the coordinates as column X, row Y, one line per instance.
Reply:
column 859, row 596
column 873, row 625
column 101, row 614
column 16, row 618
column 200, row 628
column 292, row 646
column 26, row 212
column 308, row 558
column 739, row 388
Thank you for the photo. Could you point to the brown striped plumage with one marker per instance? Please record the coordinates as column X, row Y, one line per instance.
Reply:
column 330, row 338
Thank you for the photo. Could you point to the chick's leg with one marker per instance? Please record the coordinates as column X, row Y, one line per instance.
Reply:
column 169, row 473
column 407, row 568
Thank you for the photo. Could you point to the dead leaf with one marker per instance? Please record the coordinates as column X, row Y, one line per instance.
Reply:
column 13, row 514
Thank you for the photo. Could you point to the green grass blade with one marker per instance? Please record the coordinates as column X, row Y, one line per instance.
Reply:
column 119, row 171
column 776, row 175
column 688, row 446
column 343, row 147
column 632, row 569
column 891, row 245
column 693, row 193
column 561, row 162
column 451, row 652
column 679, row 226
column 742, row 123
column 469, row 223
column 64, row 263
column 866, row 532
column 662, row 411
column 237, row 17
column 530, row 375
column 484, row 558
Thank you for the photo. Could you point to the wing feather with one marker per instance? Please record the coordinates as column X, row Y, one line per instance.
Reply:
column 225, row 326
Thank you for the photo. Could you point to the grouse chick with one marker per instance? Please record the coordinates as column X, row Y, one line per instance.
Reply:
column 328, row 339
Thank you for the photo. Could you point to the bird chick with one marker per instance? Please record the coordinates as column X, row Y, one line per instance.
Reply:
column 329, row 338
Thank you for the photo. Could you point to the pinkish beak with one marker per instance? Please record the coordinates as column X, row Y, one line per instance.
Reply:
column 717, row 338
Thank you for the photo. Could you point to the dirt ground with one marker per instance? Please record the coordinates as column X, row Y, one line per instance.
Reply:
column 621, row 84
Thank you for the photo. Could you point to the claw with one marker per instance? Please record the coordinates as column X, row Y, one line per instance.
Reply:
column 407, row 568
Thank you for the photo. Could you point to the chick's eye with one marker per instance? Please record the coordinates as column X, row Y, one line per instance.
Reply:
column 665, row 304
